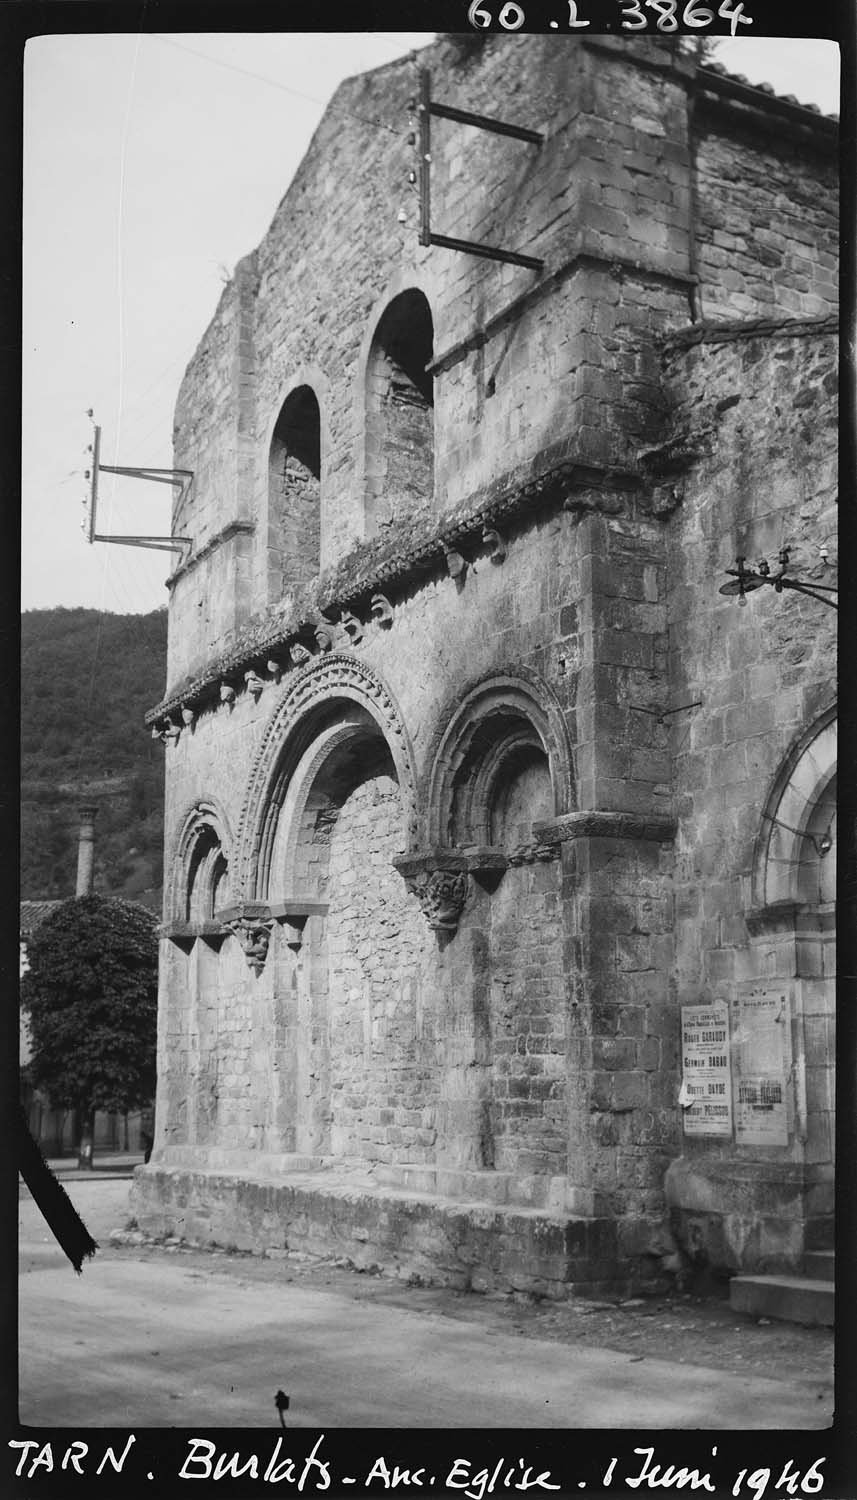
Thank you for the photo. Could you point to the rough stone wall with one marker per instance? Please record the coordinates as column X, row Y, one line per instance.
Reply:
column 767, row 223
column 762, row 409
column 757, row 406
column 527, row 1045
column 383, row 1071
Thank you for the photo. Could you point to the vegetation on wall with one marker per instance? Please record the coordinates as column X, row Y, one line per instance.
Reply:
column 87, row 679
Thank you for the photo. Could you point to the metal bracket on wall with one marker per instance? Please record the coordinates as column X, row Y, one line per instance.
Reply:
column 428, row 107
column 179, row 478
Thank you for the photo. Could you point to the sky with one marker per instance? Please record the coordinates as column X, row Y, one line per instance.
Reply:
column 151, row 165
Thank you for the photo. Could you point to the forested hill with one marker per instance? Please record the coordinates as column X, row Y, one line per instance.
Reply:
column 87, row 679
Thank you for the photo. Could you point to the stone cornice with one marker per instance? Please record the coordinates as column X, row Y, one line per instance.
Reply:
column 233, row 528
column 415, row 549
column 733, row 330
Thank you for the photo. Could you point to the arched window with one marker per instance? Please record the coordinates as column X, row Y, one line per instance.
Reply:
column 207, row 877
column 399, row 412
column 502, row 765
column 294, row 493
column 200, row 866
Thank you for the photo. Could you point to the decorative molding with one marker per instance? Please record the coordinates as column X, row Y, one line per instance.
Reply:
column 659, row 827
column 805, row 771
column 539, row 851
column 328, row 676
column 413, row 550
column 204, row 818
column 521, row 703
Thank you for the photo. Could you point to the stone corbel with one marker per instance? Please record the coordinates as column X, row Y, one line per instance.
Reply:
column 487, row 864
column 275, row 668
column 492, row 538
column 300, row 654
column 292, row 915
column 255, row 683
column 251, row 923
column 185, row 934
column 438, row 879
column 324, row 634
column 456, row 564
column 352, row 627
column 382, row 610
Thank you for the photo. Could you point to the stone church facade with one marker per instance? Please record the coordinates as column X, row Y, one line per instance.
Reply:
column 496, row 833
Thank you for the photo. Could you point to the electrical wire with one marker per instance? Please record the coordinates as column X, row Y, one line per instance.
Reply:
column 274, row 84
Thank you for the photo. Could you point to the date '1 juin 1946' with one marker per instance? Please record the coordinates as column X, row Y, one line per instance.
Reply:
column 634, row 15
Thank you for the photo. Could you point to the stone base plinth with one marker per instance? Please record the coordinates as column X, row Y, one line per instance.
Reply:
column 733, row 1214
column 417, row 1236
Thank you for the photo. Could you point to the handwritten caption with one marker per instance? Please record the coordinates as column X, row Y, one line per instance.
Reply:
column 314, row 1471
column 635, row 15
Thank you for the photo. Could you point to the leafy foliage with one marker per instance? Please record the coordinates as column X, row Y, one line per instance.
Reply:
column 91, row 998
column 87, row 679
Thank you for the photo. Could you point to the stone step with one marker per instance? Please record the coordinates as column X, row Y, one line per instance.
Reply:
column 820, row 1264
column 794, row 1299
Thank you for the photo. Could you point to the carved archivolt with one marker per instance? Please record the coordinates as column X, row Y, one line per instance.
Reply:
column 787, row 818
column 507, row 711
column 201, row 851
column 289, row 732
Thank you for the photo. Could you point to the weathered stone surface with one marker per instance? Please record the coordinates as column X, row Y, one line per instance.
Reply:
column 489, row 791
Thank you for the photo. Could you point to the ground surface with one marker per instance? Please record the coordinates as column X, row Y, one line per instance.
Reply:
column 161, row 1335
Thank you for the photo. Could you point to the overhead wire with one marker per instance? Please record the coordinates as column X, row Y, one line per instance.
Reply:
column 275, row 84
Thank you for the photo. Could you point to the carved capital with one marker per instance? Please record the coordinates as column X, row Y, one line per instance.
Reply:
column 252, row 924
column 439, row 882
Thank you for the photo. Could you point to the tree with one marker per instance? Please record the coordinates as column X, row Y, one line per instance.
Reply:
column 91, row 998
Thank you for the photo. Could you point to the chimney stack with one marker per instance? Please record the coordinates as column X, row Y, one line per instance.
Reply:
column 85, row 864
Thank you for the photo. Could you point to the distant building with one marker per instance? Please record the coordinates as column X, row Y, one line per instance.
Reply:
column 498, row 938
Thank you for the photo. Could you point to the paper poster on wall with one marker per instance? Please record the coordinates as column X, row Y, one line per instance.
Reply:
column 761, row 1041
column 706, row 1091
